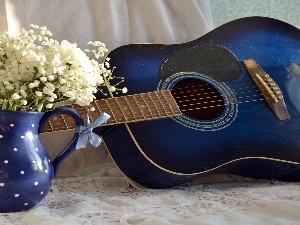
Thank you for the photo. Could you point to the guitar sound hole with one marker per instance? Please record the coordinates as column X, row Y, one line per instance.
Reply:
column 198, row 99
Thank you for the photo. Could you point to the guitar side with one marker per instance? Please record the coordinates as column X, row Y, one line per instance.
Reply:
column 163, row 153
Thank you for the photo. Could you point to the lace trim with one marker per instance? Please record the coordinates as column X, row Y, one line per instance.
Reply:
column 214, row 199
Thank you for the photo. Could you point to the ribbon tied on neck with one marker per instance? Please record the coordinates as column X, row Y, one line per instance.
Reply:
column 86, row 133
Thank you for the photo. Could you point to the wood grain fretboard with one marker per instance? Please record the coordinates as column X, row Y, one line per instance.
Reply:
column 125, row 109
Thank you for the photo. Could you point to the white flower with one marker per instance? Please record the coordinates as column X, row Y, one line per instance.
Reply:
column 23, row 102
column 31, row 85
column 23, row 93
column 15, row 96
column 36, row 71
column 50, row 86
column 47, row 91
column 36, row 83
column 49, row 106
column 43, row 79
column 112, row 88
column 50, row 99
column 39, row 94
column 51, row 77
column 10, row 87
column 62, row 81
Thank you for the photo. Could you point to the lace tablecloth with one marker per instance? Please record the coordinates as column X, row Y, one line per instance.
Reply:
column 215, row 199
column 90, row 189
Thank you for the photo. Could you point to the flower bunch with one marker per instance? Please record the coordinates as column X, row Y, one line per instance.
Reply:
column 37, row 72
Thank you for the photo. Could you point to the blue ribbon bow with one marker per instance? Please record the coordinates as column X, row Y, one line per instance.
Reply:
column 87, row 134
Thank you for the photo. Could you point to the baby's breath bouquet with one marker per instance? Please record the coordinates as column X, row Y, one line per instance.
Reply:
column 37, row 72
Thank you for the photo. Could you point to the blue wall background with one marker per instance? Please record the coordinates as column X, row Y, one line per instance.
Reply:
column 227, row 10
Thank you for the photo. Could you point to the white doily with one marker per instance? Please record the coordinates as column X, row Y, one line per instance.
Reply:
column 226, row 199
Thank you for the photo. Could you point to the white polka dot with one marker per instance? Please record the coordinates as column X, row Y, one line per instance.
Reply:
column 12, row 125
column 5, row 161
column 17, row 195
column 46, row 171
column 36, row 149
column 15, row 149
column 40, row 165
column 26, row 203
column 33, row 161
column 32, row 125
column 36, row 183
column 1, row 136
column 1, row 184
column 22, row 136
column 22, row 172
column 42, row 192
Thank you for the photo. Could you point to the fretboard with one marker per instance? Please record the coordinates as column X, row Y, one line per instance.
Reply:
column 125, row 109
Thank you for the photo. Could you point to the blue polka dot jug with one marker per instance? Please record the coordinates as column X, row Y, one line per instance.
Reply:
column 26, row 170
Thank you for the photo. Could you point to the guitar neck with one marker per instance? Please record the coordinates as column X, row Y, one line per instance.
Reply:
column 125, row 109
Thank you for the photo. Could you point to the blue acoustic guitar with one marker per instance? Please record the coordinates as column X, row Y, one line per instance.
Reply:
column 238, row 91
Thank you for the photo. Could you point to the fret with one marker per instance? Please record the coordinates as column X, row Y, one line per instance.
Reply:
column 86, row 114
column 147, row 106
column 154, row 104
column 139, row 107
column 170, row 102
column 97, row 107
column 130, row 108
column 72, row 123
column 72, row 107
column 146, row 112
column 94, row 113
column 101, row 106
column 167, row 103
column 50, row 125
column 161, row 103
column 57, row 123
column 64, row 120
column 121, row 109
column 111, row 111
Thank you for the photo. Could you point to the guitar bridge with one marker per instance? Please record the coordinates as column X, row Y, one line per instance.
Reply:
column 269, row 89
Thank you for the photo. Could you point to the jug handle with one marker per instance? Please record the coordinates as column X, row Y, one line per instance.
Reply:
column 72, row 145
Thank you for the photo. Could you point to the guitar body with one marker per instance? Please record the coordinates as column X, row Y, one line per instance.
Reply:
column 225, row 119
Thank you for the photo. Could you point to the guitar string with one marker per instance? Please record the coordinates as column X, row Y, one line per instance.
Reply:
column 247, row 95
column 119, row 107
column 219, row 105
column 182, row 108
column 191, row 91
column 195, row 106
column 192, row 105
column 214, row 92
column 200, row 97
column 233, row 88
column 216, row 96
column 215, row 103
column 240, row 86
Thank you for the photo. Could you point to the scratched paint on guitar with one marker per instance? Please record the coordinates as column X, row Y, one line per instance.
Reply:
column 163, row 153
